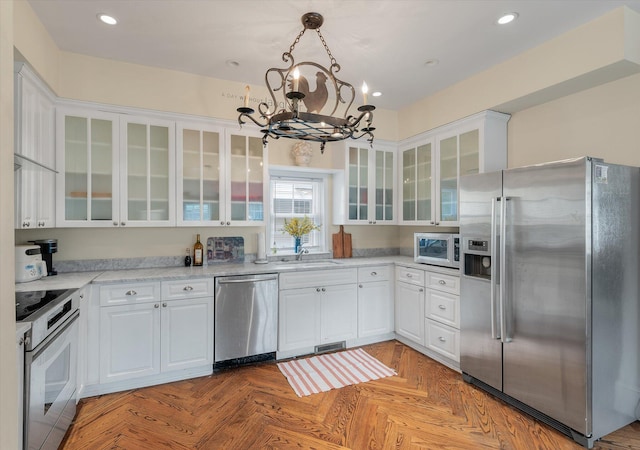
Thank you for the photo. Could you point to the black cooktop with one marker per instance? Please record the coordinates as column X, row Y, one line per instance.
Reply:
column 29, row 302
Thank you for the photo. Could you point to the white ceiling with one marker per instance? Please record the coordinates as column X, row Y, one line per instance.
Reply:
column 385, row 42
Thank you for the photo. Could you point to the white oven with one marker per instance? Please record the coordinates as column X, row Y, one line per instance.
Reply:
column 50, row 384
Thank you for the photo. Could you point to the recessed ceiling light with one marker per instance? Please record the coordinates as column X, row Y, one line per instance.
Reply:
column 106, row 18
column 507, row 18
column 376, row 94
column 431, row 62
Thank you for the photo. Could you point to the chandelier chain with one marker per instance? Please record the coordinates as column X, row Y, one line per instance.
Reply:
column 296, row 41
column 326, row 47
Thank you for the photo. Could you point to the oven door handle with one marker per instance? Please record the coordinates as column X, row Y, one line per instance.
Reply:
column 49, row 339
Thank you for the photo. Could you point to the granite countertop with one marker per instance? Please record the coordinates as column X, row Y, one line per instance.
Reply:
column 79, row 279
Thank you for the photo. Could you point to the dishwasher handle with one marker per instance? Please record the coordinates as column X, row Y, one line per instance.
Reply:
column 246, row 280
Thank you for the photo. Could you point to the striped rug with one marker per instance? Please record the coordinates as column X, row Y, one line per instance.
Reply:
column 332, row 371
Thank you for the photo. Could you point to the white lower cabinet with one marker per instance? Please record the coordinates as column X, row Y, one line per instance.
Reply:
column 410, row 312
column 148, row 329
column 375, row 301
column 316, row 308
column 427, row 308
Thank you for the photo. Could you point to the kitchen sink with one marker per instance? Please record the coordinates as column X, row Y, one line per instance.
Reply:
column 307, row 264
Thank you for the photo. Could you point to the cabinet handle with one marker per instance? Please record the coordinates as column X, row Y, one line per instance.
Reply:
column 323, row 289
column 442, row 282
column 156, row 306
column 131, row 292
column 317, row 289
column 359, row 285
column 373, row 274
column 81, row 296
column 441, row 339
column 25, row 224
column 27, row 340
column 164, row 305
column 122, row 224
column 187, row 288
column 421, row 290
column 21, row 341
column 442, row 307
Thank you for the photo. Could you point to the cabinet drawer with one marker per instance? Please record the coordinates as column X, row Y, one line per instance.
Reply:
column 443, row 307
column 408, row 275
column 201, row 287
column 374, row 273
column 443, row 339
column 133, row 293
column 444, row 283
column 327, row 277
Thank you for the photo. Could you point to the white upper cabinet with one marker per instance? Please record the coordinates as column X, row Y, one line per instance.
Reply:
column 365, row 192
column 431, row 165
column 118, row 170
column 35, row 179
column 221, row 176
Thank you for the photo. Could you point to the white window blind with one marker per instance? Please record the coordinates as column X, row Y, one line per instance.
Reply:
column 296, row 197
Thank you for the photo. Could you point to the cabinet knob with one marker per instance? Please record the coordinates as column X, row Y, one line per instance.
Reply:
column 123, row 224
column 437, row 223
column 323, row 289
column 187, row 288
column 374, row 222
column 442, row 282
column 27, row 340
column 373, row 274
column 317, row 289
column 432, row 222
column 115, row 224
column 164, row 305
column 21, row 341
column 359, row 285
column 156, row 306
column 228, row 223
column 421, row 290
column 442, row 307
column 222, row 222
column 81, row 296
column 131, row 292
column 408, row 275
column 441, row 339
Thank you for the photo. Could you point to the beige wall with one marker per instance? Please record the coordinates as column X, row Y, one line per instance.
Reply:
column 8, row 373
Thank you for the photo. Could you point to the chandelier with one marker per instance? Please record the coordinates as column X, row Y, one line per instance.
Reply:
column 289, row 120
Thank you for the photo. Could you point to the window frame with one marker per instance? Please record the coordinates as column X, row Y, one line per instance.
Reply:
column 294, row 174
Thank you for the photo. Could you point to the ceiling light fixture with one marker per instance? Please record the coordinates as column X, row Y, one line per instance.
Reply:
column 288, row 120
column 507, row 18
column 106, row 18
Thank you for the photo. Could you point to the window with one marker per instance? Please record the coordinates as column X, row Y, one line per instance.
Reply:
column 297, row 197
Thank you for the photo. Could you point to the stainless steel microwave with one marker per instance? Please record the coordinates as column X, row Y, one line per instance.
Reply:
column 440, row 249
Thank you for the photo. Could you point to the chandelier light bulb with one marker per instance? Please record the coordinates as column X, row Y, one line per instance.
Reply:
column 296, row 79
column 365, row 90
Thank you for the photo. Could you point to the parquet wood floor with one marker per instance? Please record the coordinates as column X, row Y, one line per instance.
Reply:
column 427, row 406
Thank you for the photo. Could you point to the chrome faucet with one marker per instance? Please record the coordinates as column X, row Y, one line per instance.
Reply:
column 300, row 252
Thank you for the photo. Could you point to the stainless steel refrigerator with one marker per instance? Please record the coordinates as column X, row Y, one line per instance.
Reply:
column 550, row 307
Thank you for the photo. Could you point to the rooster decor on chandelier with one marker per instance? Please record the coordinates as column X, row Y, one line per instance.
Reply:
column 293, row 83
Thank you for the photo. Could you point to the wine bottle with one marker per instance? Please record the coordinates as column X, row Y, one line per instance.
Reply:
column 187, row 258
column 197, row 252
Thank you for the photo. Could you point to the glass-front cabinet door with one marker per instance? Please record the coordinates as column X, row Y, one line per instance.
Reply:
column 199, row 162
column 365, row 192
column 147, row 172
column 417, row 190
column 458, row 155
column 88, row 187
column 245, row 180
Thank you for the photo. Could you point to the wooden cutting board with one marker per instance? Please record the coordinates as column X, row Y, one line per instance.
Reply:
column 342, row 244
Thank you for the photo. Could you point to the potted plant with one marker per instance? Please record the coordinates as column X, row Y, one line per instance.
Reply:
column 297, row 228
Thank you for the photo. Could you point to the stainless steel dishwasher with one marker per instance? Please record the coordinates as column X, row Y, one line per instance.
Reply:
column 246, row 319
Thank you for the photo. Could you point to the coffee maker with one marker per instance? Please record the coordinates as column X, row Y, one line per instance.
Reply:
column 47, row 248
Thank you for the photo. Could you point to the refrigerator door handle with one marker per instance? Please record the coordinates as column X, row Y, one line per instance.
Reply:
column 495, row 331
column 504, row 301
